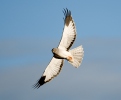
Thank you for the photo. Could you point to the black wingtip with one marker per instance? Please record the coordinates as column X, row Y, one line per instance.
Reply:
column 66, row 12
column 67, row 16
column 40, row 82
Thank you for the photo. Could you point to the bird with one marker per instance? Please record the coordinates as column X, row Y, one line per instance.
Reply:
column 63, row 52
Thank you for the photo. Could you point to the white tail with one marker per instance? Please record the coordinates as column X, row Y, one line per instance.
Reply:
column 77, row 56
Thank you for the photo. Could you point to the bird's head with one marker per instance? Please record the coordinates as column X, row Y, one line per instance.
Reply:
column 54, row 50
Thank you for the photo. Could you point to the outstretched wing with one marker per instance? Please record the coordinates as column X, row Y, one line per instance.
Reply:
column 50, row 72
column 69, row 32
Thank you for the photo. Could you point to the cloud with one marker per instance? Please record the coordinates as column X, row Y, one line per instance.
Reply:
column 87, row 82
column 97, row 78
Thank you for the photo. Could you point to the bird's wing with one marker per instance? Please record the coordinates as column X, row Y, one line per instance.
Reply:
column 69, row 31
column 50, row 72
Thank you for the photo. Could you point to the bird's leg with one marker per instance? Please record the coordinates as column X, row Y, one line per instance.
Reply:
column 70, row 59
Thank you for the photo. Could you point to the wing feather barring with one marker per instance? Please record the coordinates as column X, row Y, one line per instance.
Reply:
column 73, row 56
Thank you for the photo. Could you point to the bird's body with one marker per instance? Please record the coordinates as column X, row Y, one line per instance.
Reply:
column 73, row 56
column 60, row 53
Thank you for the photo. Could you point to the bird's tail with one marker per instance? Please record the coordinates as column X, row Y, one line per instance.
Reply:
column 77, row 56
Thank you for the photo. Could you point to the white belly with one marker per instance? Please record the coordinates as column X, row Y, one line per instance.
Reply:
column 62, row 54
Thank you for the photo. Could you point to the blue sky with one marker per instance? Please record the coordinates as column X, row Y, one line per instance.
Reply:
column 29, row 29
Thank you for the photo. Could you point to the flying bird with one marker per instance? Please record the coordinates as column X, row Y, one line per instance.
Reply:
column 63, row 51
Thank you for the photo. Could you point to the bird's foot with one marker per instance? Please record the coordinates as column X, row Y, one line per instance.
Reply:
column 70, row 59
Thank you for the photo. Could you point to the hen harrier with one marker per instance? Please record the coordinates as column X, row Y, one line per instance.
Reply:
column 62, row 52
